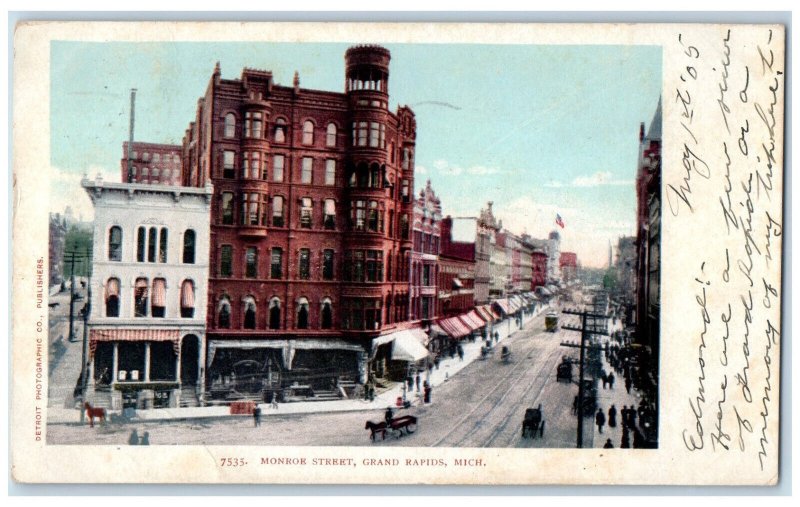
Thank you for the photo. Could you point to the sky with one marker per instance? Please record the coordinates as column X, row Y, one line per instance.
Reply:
column 538, row 130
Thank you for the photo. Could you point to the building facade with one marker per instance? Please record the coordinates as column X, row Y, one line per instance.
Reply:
column 310, row 224
column 539, row 258
column 148, row 292
column 457, row 273
column 152, row 163
column 568, row 263
column 554, row 258
column 426, row 234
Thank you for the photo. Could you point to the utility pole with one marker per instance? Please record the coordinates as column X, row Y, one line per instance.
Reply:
column 71, row 336
column 586, row 333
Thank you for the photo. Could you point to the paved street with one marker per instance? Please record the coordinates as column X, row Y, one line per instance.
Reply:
column 483, row 405
column 64, row 356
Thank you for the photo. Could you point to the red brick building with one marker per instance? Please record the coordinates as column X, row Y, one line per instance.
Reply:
column 151, row 163
column 456, row 281
column 539, row 267
column 310, row 225
column 568, row 263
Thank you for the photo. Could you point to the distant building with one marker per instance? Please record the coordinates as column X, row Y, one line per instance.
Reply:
column 626, row 270
column 568, row 263
column 426, row 236
column 554, row 258
column 147, row 326
column 539, row 257
column 151, row 163
column 57, row 234
column 456, row 283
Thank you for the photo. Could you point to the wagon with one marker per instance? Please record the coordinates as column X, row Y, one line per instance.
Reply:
column 551, row 322
column 564, row 371
column 533, row 423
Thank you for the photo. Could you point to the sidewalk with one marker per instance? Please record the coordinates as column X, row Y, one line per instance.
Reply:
column 448, row 368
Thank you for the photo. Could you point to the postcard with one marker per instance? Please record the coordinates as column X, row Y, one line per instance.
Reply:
column 297, row 253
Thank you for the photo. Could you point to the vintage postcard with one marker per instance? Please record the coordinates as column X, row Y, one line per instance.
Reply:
column 397, row 253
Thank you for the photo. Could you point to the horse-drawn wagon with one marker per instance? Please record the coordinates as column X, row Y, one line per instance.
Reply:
column 398, row 426
column 533, row 423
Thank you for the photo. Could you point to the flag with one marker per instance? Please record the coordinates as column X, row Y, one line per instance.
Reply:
column 559, row 221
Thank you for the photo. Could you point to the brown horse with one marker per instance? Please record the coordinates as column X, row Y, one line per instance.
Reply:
column 92, row 412
column 376, row 428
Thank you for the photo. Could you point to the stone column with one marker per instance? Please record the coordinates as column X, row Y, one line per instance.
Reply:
column 114, row 362
column 146, row 362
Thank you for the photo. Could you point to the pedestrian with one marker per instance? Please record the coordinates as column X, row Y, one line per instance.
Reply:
column 134, row 438
column 632, row 418
column 626, row 439
column 612, row 417
column 604, row 376
column 624, row 416
column 429, row 364
column 388, row 416
column 146, row 438
column 608, row 445
column 611, row 380
column 575, row 405
column 628, row 384
column 600, row 419
column 436, row 361
column 410, row 382
column 256, row 416
column 427, row 391
column 460, row 350
column 418, row 380
column 496, row 337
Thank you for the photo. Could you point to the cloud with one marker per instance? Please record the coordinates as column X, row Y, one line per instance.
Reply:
column 66, row 190
column 600, row 178
column 419, row 169
column 480, row 170
column 445, row 168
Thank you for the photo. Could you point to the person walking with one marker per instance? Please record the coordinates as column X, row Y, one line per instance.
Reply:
column 604, row 377
column 134, row 438
column 460, row 351
column 575, row 405
column 612, row 417
column 418, row 381
column 256, row 416
column 624, row 416
column 611, row 380
column 628, row 383
column 427, row 392
column 626, row 439
column 632, row 418
column 146, row 438
column 608, row 445
column 600, row 419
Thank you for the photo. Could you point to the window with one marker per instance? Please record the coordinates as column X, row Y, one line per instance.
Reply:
column 280, row 130
column 329, row 220
column 226, row 261
column 326, row 314
column 159, row 300
column 140, row 298
column 302, row 313
column 363, row 266
column 187, row 299
column 361, row 314
column 230, row 125
column 426, row 276
column 377, row 135
column 115, row 244
column 112, row 297
column 404, row 226
column 389, row 274
column 151, row 244
column 140, row 244
column 308, row 132
column 276, row 265
column 307, row 170
column 406, row 191
column 327, row 264
column 277, row 211
column 374, row 218
column 251, row 167
column 229, row 164
column 188, row 246
column 252, row 125
column 227, row 208
column 304, row 264
column 156, row 158
column 249, row 305
column 374, row 265
column 224, row 313
column 162, row 246
column 275, row 313
column 306, row 212
column 405, row 159
column 330, row 138
column 250, row 215
column 358, row 215
column 155, row 173
column 360, row 132
column 391, row 223
column 251, row 262
column 330, row 171
column 277, row 167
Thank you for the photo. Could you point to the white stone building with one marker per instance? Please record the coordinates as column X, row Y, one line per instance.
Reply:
column 554, row 258
column 147, row 338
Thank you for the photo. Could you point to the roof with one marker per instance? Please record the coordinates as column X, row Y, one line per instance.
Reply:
column 654, row 132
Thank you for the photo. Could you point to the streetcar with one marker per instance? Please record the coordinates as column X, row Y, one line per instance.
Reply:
column 551, row 322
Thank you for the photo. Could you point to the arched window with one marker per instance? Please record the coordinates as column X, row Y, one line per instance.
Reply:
column 115, row 244
column 326, row 314
column 162, row 246
column 140, row 244
column 330, row 138
column 249, row 305
column 112, row 297
column 152, row 240
column 159, row 300
column 140, row 297
column 280, row 130
column 188, row 246
column 224, row 313
column 187, row 299
column 308, row 132
column 302, row 313
column 230, row 125
column 275, row 313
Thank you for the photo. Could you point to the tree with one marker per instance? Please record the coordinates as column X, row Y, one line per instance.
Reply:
column 610, row 279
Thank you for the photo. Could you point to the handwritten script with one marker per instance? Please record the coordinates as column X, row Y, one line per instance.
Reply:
column 731, row 182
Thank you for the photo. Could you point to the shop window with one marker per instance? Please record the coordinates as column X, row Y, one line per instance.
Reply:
column 115, row 244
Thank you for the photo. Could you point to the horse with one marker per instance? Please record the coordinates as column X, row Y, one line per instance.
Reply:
column 92, row 412
column 376, row 428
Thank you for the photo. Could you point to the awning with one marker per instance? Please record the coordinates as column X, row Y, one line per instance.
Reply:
column 454, row 327
column 159, row 292
column 187, row 294
column 436, row 330
column 134, row 335
column 112, row 288
column 485, row 313
column 503, row 305
column 407, row 347
column 457, row 283
column 472, row 321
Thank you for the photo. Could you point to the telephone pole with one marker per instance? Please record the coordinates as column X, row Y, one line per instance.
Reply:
column 587, row 329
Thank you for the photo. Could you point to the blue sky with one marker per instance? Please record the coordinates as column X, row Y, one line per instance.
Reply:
column 536, row 129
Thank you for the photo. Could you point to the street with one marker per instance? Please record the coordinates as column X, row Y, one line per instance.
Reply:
column 65, row 356
column 481, row 406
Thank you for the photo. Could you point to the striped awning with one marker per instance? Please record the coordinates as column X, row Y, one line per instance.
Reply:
column 134, row 335
column 472, row 320
column 112, row 288
column 454, row 327
column 187, row 294
column 503, row 305
column 159, row 292
column 485, row 313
